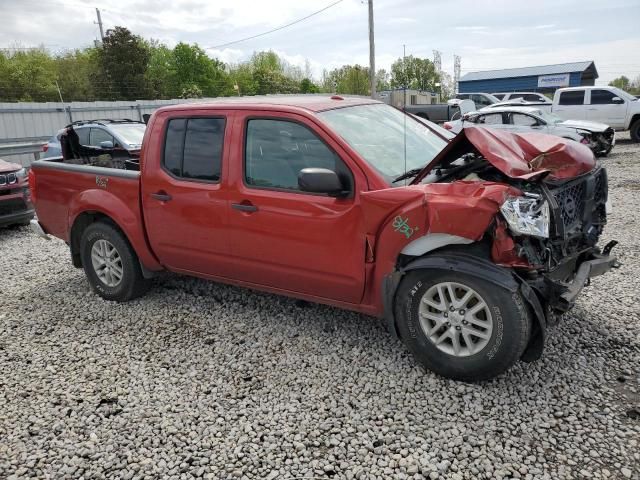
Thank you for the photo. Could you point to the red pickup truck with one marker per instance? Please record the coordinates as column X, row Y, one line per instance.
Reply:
column 468, row 248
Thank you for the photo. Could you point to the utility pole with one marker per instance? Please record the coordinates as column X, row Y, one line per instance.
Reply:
column 456, row 72
column 372, row 53
column 100, row 25
column 404, row 68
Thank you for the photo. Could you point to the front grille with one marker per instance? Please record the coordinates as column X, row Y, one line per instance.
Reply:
column 575, row 197
column 571, row 203
column 8, row 179
column 15, row 205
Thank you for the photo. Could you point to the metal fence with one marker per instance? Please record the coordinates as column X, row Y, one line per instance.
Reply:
column 26, row 127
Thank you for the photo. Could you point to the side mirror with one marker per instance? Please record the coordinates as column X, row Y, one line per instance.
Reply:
column 106, row 144
column 320, row 180
column 617, row 100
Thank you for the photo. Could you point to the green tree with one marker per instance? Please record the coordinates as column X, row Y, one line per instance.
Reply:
column 192, row 66
column 307, row 86
column 73, row 73
column 28, row 76
column 415, row 73
column 160, row 76
column 348, row 79
column 621, row 82
column 123, row 59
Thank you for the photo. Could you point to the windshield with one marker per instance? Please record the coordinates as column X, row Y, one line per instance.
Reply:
column 549, row 117
column 383, row 135
column 130, row 133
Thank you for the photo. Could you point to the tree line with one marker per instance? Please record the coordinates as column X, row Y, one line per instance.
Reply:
column 128, row 67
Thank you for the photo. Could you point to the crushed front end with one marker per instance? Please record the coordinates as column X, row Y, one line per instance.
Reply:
column 561, row 263
column 547, row 232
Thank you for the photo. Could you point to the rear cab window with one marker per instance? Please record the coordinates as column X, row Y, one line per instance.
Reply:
column 193, row 148
column 575, row 97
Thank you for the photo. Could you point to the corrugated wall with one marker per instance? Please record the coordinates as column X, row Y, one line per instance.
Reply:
column 36, row 122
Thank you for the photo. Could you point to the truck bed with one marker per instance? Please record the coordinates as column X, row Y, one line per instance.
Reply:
column 63, row 189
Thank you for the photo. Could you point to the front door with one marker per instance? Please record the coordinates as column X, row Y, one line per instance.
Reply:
column 281, row 236
column 603, row 109
column 184, row 199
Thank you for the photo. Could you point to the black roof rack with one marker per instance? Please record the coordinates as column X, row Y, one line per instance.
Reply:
column 103, row 121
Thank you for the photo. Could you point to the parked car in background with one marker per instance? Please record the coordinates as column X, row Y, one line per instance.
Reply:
column 600, row 138
column 609, row 105
column 15, row 199
column 520, row 102
column 441, row 112
column 467, row 248
column 480, row 99
column 534, row 97
column 119, row 137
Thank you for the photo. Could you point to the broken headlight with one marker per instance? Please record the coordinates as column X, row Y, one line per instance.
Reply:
column 527, row 215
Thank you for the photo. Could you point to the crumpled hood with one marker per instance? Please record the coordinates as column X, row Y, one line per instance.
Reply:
column 519, row 155
column 585, row 125
column 7, row 167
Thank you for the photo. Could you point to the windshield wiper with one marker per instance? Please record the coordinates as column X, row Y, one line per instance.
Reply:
column 411, row 173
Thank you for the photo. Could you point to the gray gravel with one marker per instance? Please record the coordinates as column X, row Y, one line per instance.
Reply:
column 203, row 380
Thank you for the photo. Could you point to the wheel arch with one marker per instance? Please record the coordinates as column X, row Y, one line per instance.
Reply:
column 476, row 265
column 80, row 224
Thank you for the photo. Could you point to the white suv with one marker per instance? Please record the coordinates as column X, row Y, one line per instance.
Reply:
column 609, row 105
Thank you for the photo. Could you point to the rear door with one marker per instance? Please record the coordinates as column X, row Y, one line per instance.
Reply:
column 571, row 105
column 602, row 108
column 183, row 193
column 283, row 237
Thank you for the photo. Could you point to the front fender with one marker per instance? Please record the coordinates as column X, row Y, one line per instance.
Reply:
column 126, row 215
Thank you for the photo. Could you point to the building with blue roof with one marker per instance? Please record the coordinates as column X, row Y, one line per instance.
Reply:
column 545, row 78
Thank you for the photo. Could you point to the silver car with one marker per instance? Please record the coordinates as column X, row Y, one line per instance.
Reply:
column 599, row 137
column 110, row 135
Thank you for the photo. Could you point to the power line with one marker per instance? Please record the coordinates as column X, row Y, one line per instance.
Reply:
column 276, row 29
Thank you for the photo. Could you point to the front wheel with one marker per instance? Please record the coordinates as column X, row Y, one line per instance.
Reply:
column 460, row 326
column 635, row 131
column 111, row 265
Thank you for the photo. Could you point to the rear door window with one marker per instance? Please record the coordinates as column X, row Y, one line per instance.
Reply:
column 193, row 148
column 572, row 98
column 491, row 119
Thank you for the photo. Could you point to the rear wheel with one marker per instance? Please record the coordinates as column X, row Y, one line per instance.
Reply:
column 111, row 265
column 460, row 326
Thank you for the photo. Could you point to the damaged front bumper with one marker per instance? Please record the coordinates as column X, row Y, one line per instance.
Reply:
column 562, row 295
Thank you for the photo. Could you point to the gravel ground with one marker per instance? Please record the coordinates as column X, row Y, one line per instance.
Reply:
column 198, row 379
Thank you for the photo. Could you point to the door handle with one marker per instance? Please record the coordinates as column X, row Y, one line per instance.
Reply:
column 162, row 196
column 244, row 207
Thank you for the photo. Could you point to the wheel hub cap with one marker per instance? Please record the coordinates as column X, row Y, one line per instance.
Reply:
column 456, row 319
column 107, row 263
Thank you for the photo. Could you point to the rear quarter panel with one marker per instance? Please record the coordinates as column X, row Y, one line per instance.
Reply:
column 62, row 195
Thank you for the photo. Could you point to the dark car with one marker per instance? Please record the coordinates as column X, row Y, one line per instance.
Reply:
column 15, row 200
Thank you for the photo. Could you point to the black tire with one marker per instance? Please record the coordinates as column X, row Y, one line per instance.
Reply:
column 511, row 327
column 635, row 131
column 132, row 284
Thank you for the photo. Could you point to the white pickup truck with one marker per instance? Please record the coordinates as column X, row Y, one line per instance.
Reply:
column 608, row 105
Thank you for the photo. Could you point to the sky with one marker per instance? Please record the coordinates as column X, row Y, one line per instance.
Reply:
column 486, row 34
